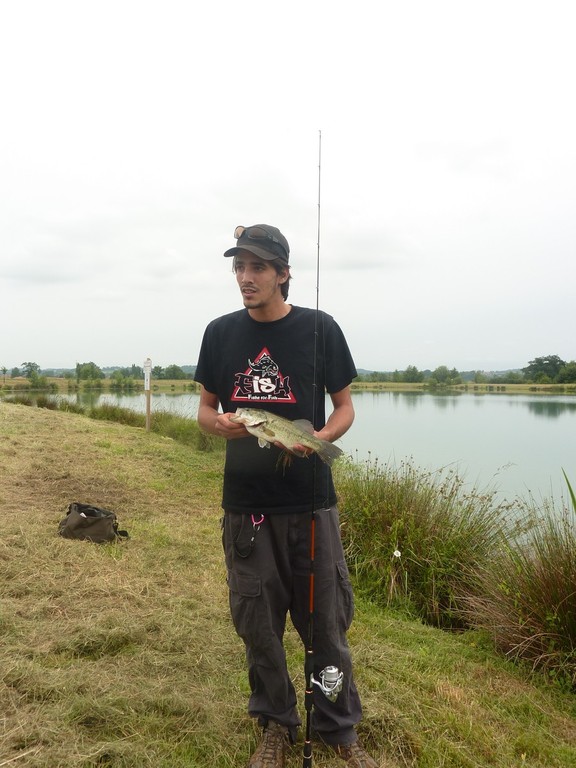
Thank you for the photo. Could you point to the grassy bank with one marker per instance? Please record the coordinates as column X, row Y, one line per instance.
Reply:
column 124, row 655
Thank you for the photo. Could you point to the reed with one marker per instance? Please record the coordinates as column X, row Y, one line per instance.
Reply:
column 456, row 558
column 413, row 537
column 526, row 599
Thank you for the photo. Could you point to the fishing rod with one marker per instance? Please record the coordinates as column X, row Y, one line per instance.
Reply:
column 330, row 682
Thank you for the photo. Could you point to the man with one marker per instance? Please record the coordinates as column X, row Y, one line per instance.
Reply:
column 282, row 358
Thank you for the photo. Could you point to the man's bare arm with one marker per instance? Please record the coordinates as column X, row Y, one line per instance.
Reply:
column 341, row 418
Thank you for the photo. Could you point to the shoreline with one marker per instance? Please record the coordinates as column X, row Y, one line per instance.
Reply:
column 70, row 386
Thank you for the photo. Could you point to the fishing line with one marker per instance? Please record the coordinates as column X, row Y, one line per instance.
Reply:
column 309, row 658
column 316, row 317
column 330, row 682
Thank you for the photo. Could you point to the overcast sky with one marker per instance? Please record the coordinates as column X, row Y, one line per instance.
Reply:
column 136, row 135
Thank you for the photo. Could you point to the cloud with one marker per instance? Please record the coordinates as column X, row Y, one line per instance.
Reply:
column 135, row 138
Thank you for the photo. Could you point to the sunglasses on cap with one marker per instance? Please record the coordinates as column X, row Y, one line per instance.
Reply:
column 255, row 233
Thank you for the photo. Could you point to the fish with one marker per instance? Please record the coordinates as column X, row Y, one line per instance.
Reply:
column 269, row 428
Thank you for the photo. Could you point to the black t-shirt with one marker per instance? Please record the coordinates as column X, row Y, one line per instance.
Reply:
column 247, row 363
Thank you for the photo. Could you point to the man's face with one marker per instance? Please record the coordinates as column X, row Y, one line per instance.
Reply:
column 258, row 280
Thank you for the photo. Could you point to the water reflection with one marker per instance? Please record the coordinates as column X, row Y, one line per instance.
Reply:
column 442, row 402
column 551, row 406
column 410, row 399
column 551, row 409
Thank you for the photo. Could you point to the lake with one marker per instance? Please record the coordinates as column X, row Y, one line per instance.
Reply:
column 513, row 443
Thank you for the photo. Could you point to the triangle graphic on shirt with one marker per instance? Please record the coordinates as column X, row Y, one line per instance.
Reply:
column 262, row 382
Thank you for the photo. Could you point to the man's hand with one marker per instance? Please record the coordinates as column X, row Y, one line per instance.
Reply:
column 217, row 423
column 230, row 430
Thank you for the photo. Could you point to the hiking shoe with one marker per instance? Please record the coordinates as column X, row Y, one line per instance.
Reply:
column 355, row 756
column 271, row 752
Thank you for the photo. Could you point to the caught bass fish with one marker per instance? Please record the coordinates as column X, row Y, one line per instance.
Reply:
column 269, row 428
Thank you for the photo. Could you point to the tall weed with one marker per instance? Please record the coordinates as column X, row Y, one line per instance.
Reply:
column 570, row 491
column 184, row 430
column 413, row 537
column 526, row 599
column 109, row 412
column 19, row 400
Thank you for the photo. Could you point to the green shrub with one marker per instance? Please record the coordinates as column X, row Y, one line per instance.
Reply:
column 108, row 412
column 68, row 407
column 526, row 599
column 42, row 401
column 414, row 537
column 19, row 400
column 184, row 430
column 418, row 540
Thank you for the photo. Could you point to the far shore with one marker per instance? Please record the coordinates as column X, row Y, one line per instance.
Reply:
column 61, row 385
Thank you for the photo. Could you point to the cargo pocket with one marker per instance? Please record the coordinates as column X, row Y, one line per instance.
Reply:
column 244, row 585
column 246, row 608
column 346, row 593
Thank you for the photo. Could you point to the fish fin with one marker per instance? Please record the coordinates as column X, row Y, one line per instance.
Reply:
column 284, row 460
column 305, row 425
column 329, row 452
column 263, row 443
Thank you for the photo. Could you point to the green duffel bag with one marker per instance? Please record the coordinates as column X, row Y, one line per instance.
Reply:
column 85, row 521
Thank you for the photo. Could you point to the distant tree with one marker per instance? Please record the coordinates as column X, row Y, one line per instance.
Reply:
column 30, row 370
column 174, row 372
column 412, row 375
column 544, row 369
column 15, row 372
column 480, row 377
column 443, row 376
column 567, row 374
column 89, row 372
column 157, row 372
column 136, row 371
column 379, row 376
column 510, row 377
column 4, row 372
column 119, row 381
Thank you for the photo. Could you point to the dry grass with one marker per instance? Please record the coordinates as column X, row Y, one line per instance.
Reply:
column 124, row 655
column 97, row 635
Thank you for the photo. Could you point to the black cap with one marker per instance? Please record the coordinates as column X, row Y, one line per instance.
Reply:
column 262, row 240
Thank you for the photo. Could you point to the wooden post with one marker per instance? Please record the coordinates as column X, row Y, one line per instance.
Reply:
column 147, row 374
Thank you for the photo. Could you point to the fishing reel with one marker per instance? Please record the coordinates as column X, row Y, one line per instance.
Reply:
column 330, row 682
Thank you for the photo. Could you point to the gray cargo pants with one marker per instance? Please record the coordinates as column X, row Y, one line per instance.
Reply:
column 270, row 578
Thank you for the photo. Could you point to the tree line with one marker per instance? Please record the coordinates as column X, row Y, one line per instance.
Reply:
column 92, row 372
column 549, row 369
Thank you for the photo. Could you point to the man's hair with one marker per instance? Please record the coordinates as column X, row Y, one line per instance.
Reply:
column 280, row 267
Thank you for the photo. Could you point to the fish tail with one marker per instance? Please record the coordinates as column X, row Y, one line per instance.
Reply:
column 329, row 452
